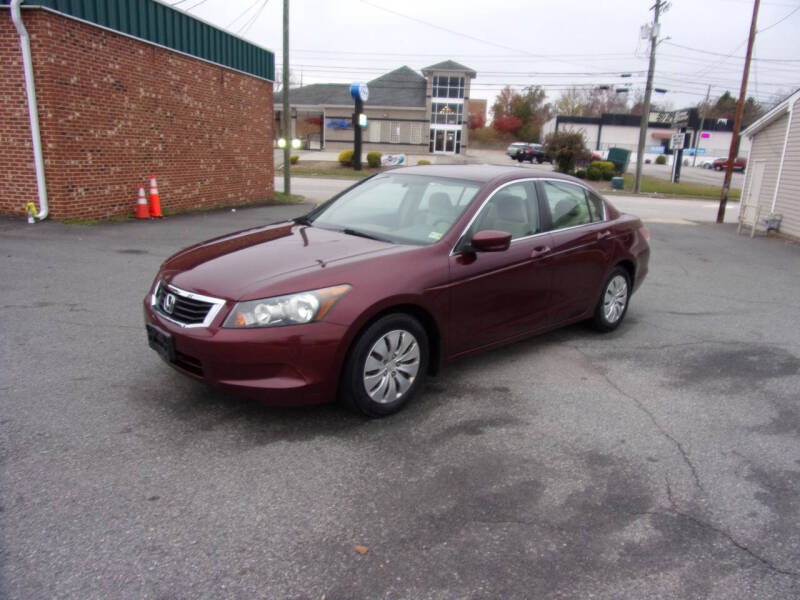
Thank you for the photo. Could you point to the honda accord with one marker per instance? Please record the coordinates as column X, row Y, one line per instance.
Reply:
column 370, row 292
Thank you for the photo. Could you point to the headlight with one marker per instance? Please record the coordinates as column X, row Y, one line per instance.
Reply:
column 292, row 309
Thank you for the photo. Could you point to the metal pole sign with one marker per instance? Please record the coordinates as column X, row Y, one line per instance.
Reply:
column 359, row 93
column 677, row 155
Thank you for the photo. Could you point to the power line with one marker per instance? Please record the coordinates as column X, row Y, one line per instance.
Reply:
column 250, row 23
column 779, row 21
column 193, row 6
column 241, row 14
column 461, row 34
column 792, row 60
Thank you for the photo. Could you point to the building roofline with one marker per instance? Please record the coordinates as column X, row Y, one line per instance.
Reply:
column 777, row 111
column 176, row 34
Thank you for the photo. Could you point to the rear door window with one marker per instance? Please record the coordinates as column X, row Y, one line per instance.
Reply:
column 567, row 203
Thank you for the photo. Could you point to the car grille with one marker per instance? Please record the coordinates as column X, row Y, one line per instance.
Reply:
column 187, row 311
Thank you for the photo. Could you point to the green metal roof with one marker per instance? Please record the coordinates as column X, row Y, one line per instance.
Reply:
column 160, row 24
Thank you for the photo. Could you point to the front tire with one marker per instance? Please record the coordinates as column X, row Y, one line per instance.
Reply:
column 386, row 366
column 614, row 300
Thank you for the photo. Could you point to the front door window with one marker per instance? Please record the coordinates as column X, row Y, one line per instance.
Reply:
column 450, row 146
column 439, row 141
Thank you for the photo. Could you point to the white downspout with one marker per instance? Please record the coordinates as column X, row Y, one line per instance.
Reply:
column 792, row 101
column 33, row 111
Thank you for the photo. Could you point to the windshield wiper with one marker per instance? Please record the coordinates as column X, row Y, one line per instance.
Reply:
column 364, row 234
column 304, row 220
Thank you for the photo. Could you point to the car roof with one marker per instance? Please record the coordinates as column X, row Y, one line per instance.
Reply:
column 481, row 173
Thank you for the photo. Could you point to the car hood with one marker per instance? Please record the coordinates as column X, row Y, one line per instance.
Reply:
column 241, row 264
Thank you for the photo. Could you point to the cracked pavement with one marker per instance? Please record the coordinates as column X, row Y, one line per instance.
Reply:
column 659, row 461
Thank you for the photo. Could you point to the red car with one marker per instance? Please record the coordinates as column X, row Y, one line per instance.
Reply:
column 739, row 164
column 370, row 292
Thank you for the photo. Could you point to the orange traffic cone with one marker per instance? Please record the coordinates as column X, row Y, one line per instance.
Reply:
column 142, row 212
column 155, row 201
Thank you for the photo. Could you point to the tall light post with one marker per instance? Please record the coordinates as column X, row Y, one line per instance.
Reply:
column 648, row 92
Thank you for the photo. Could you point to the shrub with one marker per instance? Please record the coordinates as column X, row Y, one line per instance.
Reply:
column 423, row 161
column 374, row 159
column 607, row 168
column 567, row 147
column 594, row 174
column 293, row 159
column 580, row 173
column 346, row 158
column 661, row 159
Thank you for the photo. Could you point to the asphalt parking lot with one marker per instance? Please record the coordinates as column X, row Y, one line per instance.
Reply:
column 659, row 461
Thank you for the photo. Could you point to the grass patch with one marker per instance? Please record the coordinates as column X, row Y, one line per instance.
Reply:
column 654, row 185
column 331, row 172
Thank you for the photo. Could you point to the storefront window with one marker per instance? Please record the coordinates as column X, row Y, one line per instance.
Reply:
column 447, row 113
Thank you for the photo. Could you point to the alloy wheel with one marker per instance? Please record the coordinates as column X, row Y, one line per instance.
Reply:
column 615, row 299
column 391, row 366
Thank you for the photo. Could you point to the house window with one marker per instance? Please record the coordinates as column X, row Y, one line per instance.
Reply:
column 394, row 135
column 448, row 87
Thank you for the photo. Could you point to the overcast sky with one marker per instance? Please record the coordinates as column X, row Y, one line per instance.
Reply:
column 554, row 43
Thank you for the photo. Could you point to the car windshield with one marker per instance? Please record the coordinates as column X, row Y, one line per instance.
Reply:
column 397, row 208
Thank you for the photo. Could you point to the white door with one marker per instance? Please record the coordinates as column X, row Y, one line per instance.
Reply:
column 749, row 209
column 756, row 178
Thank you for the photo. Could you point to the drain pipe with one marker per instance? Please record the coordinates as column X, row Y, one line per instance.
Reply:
column 33, row 111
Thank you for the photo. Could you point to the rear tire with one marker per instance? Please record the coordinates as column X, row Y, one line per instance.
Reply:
column 386, row 366
column 614, row 299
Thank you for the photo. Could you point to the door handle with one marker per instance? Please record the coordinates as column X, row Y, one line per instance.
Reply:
column 540, row 251
column 603, row 235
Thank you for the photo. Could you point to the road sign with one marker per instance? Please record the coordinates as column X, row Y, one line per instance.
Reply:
column 677, row 141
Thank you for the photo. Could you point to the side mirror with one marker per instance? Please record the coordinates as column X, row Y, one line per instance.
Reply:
column 490, row 240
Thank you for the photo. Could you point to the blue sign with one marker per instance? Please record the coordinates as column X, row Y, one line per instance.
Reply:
column 690, row 151
column 359, row 91
column 656, row 150
column 340, row 123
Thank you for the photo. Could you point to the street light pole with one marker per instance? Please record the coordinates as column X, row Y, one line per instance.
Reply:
column 737, row 122
column 699, row 132
column 648, row 92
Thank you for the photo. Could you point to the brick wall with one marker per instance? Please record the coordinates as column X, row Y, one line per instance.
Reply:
column 113, row 109
column 17, row 177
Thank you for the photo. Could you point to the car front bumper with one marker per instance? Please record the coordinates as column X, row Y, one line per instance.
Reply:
column 282, row 366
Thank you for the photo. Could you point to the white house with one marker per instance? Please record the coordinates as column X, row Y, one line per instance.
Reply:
column 772, row 184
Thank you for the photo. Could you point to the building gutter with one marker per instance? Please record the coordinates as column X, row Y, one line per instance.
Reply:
column 783, row 156
column 33, row 111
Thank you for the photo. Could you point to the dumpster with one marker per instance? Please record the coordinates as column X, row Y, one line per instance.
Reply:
column 620, row 157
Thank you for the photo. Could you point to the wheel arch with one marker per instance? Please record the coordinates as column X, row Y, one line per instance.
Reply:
column 425, row 319
column 628, row 265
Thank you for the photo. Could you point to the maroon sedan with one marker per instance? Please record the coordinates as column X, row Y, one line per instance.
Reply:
column 368, row 293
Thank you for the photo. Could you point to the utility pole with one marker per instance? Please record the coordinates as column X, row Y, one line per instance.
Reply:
column 699, row 132
column 737, row 122
column 287, row 118
column 648, row 92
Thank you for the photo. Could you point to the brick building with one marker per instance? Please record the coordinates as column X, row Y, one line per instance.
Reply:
column 129, row 87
